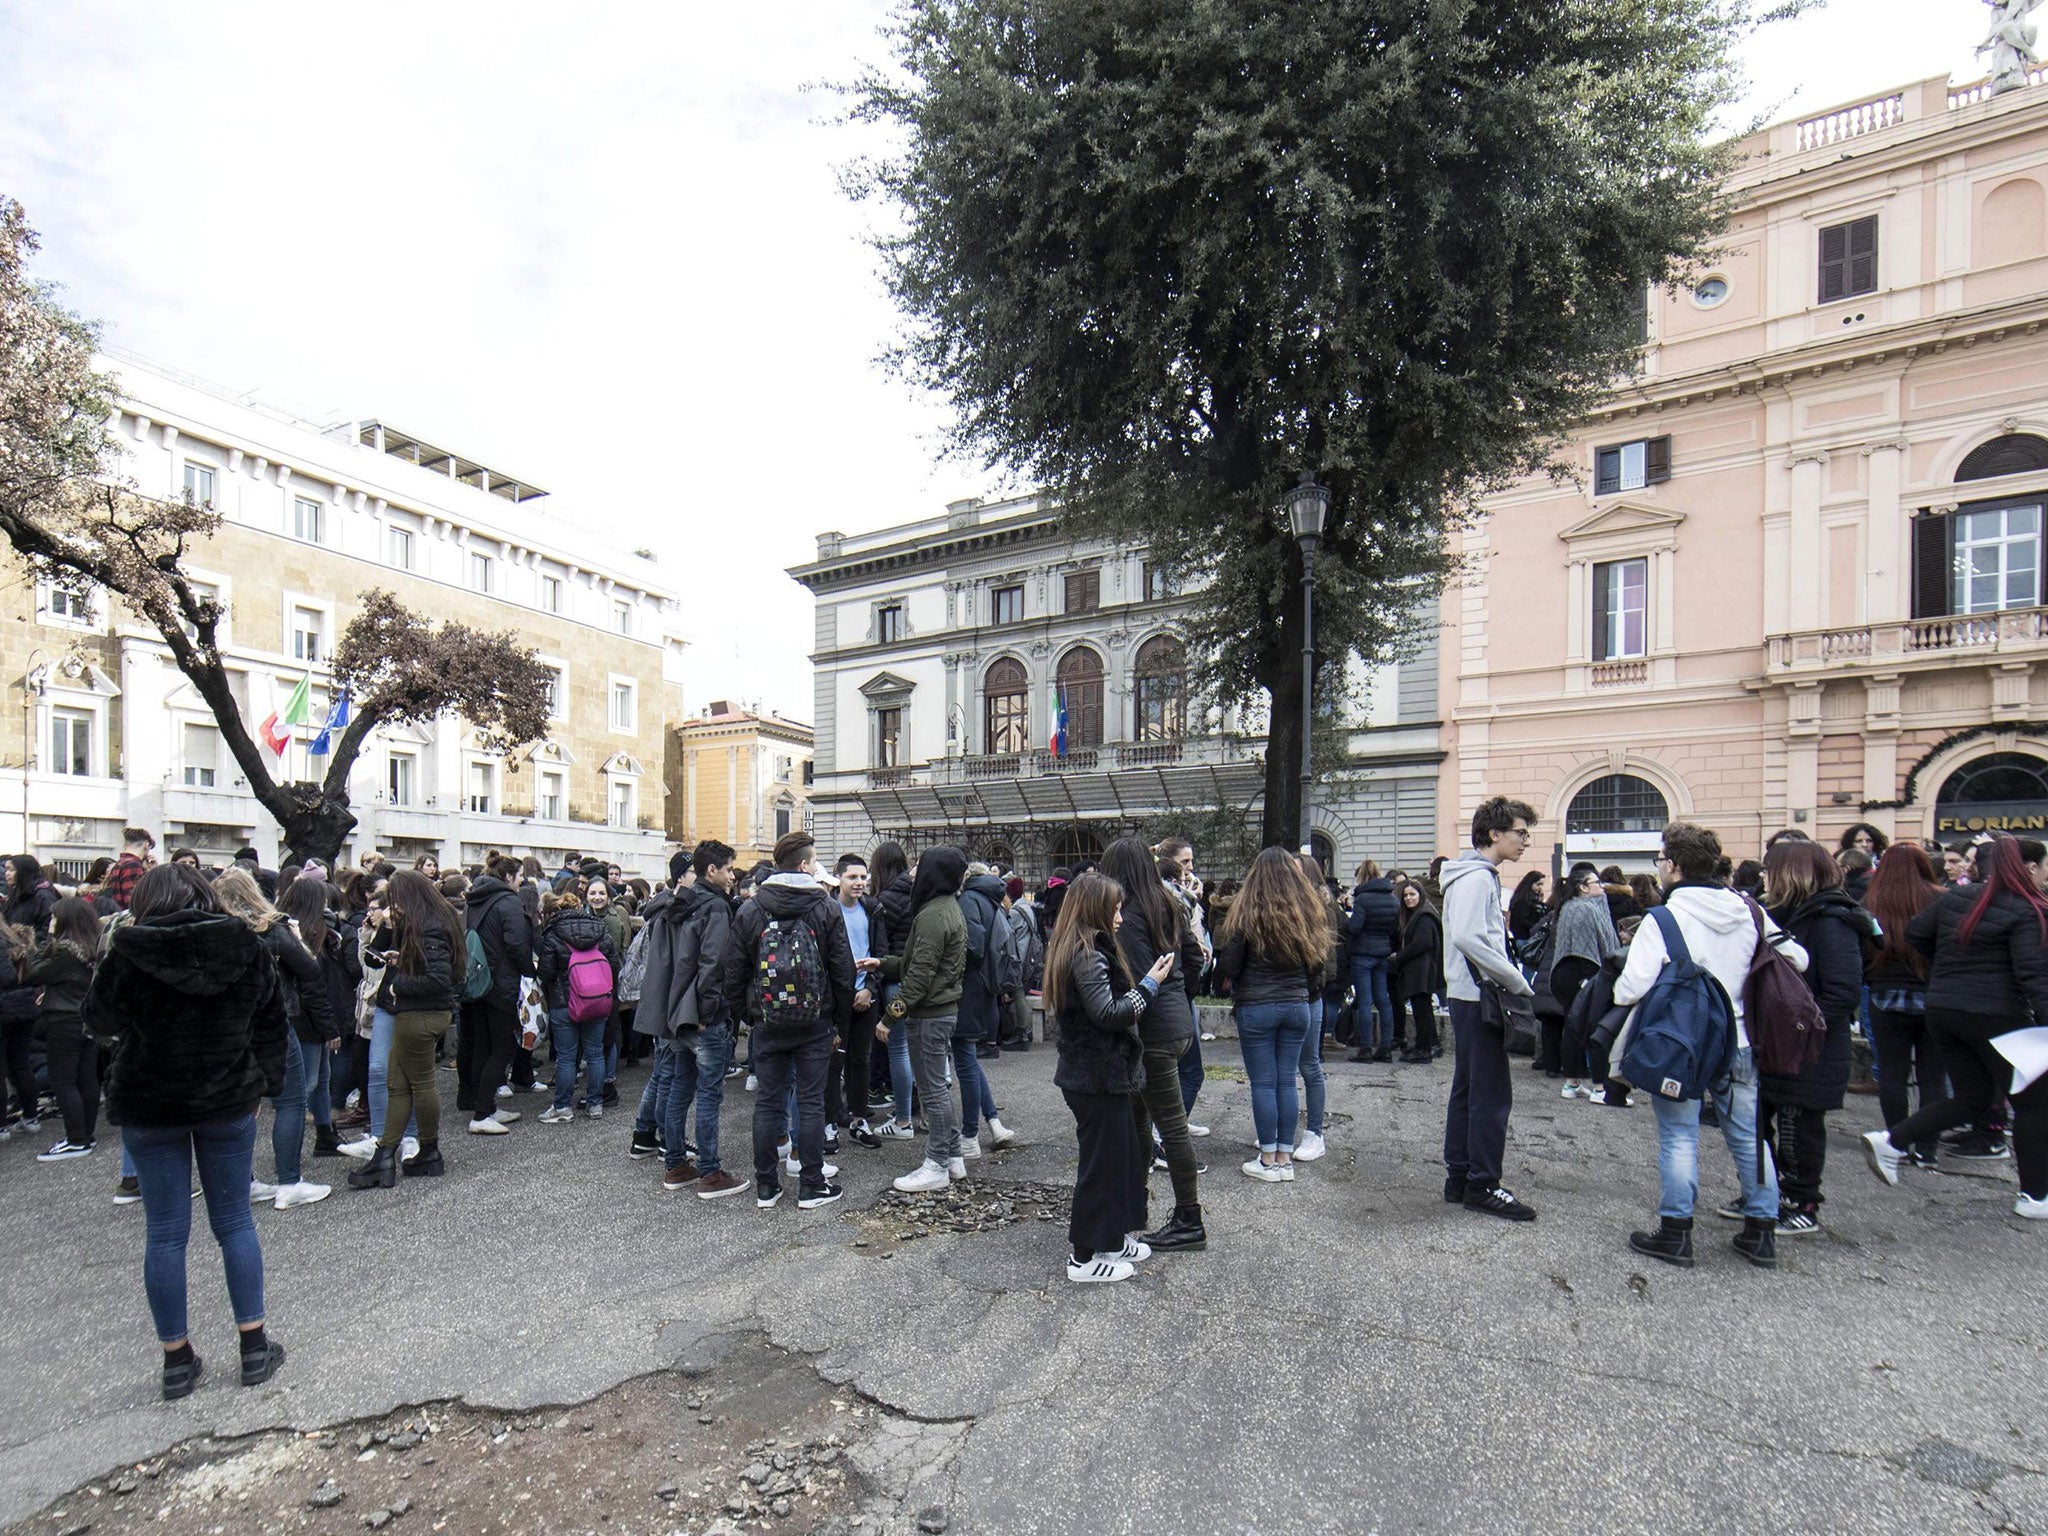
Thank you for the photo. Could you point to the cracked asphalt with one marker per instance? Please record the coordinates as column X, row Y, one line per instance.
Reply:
column 1350, row 1354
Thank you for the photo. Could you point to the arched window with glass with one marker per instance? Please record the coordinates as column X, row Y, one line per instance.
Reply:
column 1160, row 690
column 1080, row 692
column 1006, row 708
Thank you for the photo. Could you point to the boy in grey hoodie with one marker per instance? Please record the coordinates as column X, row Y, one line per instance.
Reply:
column 1476, row 941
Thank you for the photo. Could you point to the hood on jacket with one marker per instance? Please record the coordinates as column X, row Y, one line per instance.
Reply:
column 1714, row 907
column 193, row 952
column 791, row 893
column 989, row 886
column 683, row 905
column 1376, row 885
column 577, row 924
column 484, row 888
column 1835, row 903
column 1467, row 864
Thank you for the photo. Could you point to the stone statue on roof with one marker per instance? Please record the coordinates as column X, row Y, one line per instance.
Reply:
column 2011, row 43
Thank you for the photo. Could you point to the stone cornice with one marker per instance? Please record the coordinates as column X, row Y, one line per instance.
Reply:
column 945, row 549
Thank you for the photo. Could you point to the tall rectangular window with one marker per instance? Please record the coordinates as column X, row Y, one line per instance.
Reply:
column 1631, row 466
column 1084, row 591
column 1997, row 559
column 401, row 548
column 71, row 607
column 1848, row 259
column 624, row 715
column 308, row 625
column 480, row 572
column 782, row 819
column 888, row 737
column 71, row 742
column 1006, row 605
column 198, row 484
column 399, row 777
column 1621, row 591
column 306, row 519
column 622, row 616
column 557, row 686
column 623, row 812
column 889, row 624
column 482, row 781
column 1157, row 588
column 548, row 804
column 201, row 756
column 551, row 593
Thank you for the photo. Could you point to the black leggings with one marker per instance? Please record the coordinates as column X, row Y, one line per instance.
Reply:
column 1420, row 1010
column 1906, row 1049
column 483, row 1051
column 18, row 1035
column 74, row 1066
column 1978, row 1077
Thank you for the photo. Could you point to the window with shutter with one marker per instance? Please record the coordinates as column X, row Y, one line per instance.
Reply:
column 1606, row 471
column 1848, row 259
column 1631, row 466
column 1657, row 461
column 1933, row 563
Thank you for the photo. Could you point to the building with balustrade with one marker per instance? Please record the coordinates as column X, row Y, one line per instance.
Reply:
column 945, row 646
column 740, row 776
column 107, row 731
column 1799, row 581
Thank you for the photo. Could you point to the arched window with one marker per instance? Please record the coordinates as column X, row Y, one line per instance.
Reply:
column 1006, row 708
column 1323, row 851
column 1080, row 692
column 2003, row 776
column 2017, row 453
column 1621, row 802
column 1070, row 845
column 1162, row 690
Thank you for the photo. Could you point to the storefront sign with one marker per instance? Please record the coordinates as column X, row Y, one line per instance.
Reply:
column 2014, row 816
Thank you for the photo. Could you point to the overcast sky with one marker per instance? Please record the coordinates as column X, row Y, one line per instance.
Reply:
column 604, row 250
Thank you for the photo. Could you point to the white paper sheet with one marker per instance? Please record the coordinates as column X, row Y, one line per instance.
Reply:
column 2027, row 1050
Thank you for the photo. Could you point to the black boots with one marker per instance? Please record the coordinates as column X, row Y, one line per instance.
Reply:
column 1184, row 1232
column 428, row 1164
column 1671, row 1242
column 1758, row 1242
column 325, row 1142
column 380, row 1172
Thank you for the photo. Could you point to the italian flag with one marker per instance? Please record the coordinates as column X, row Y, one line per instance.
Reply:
column 276, row 733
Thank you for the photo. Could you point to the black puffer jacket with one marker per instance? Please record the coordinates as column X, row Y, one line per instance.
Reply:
column 341, row 972
column 1831, row 928
column 570, row 929
column 1171, row 1017
column 193, row 1008
column 306, row 1004
column 436, row 986
column 64, row 977
column 1099, row 1049
column 495, row 916
column 1252, row 980
column 1374, row 928
column 31, row 909
column 896, row 909
column 2002, row 971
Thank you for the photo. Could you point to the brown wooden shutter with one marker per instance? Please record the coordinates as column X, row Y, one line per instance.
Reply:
column 1834, row 263
column 1933, row 564
column 1606, row 471
column 1657, row 460
column 1862, row 246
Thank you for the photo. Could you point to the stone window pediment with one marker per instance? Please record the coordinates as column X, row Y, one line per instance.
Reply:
column 886, row 685
column 1631, row 526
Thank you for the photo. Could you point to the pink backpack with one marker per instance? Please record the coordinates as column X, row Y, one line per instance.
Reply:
column 590, row 985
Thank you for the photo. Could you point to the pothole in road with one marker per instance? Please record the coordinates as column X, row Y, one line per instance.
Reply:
column 981, row 1205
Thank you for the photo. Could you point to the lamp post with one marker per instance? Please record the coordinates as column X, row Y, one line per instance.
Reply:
column 31, row 690
column 1308, row 507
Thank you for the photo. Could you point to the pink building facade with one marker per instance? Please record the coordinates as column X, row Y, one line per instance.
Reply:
column 1800, row 583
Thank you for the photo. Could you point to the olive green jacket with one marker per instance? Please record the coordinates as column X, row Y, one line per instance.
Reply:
column 933, row 964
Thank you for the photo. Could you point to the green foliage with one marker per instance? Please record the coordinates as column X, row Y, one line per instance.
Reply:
column 1165, row 256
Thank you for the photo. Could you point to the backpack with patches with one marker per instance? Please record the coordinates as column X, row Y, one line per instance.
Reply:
column 1681, row 1043
column 789, row 980
column 590, row 985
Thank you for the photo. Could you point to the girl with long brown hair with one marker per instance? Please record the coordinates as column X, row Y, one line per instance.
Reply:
column 424, row 962
column 1272, row 950
column 1101, row 1072
column 1902, row 888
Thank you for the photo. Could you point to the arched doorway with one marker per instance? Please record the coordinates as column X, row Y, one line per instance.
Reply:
column 1323, row 850
column 1070, row 845
column 2000, row 792
column 1080, row 694
column 1618, row 819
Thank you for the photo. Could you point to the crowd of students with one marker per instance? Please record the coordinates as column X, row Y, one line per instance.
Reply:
column 869, row 994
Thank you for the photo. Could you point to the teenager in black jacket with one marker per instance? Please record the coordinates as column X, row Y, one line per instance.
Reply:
column 62, row 969
column 1989, row 947
column 1101, row 1072
column 321, row 1040
column 1418, row 970
column 422, row 981
column 889, row 877
column 1803, row 890
column 490, row 1024
column 190, row 1002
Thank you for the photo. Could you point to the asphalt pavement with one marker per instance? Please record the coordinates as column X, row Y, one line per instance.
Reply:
column 1349, row 1355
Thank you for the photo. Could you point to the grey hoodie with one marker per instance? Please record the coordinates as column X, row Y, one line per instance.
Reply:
column 1476, row 929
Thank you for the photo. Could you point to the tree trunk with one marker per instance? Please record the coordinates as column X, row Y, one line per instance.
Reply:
column 319, row 827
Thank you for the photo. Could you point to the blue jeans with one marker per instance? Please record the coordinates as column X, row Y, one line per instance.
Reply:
column 1191, row 1071
column 226, row 1152
column 1314, row 1089
column 902, row 1081
column 976, row 1102
column 1369, row 978
column 1678, row 1148
column 1271, row 1035
column 288, row 1124
column 654, row 1097
column 573, row 1043
column 318, row 1062
column 701, row 1058
column 383, row 1029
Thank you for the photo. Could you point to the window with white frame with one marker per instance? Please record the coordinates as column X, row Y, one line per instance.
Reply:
column 556, row 685
column 551, row 593
column 624, row 705
column 64, row 604
column 309, row 634
column 622, row 616
column 1631, row 466
column 71, row 742
column 198, row 484
column 1621, row 609
column 200, row 753
column 1998, row 558
column 307, row 519
column 624, row 811
column 401, row 548
column 401, row 775
column 550, row 798
column 206, row 591
column 482, row 788
column 785, row 814
column 480, row 571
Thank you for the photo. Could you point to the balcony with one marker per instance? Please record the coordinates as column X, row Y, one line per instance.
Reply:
column 1619, row 674
column 2014, row 633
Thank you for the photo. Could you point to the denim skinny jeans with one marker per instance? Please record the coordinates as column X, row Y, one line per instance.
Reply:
column 701, row 1057
column 163, row 1156
column 1369, row 978
column 1678, row 1147
column 1271, row 1036
column 1314, row 1088
column 573, row 1043
column 288, row 1122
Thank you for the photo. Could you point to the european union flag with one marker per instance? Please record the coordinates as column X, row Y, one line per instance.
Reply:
column 337, row 717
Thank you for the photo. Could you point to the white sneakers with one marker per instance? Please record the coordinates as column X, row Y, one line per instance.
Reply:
column 1197, row 1130
column 408, row 1148
column 1883, row 1157
column 753, row 1083
column 260, row 1191
column 1269, row 1173
column 550, row 1116
column 956, row 1167
column 795, row 1165
column 925, row 1178
column 895, row 1130
column 489, row 1125
column 1135, row 1252
column 1099, row 1270
column 1569, row 1091
column 1310, row 1147
column 504, row 1090
column 2029, row 1207
column 504, row 1116
column 970, row 1146
column 301, row 1193
column 363, row 1148
column 999, row 1134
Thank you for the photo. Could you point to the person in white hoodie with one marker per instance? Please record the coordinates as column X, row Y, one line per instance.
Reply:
column 1720, row 933
column 1476, row 945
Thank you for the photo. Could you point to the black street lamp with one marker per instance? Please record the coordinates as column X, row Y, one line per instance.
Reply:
column 1308, row 508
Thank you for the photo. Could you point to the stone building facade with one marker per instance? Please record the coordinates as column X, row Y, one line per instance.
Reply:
column 107, row 731
column 739, row 776
column 946, row 647
column 1799, row 583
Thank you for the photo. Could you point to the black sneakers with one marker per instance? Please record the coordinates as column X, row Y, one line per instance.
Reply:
column 645, row 1144
column 767, row 1194
column 1496, row 1201
column 1454, row 1189
column 1985, row 1148
column 811, row 1199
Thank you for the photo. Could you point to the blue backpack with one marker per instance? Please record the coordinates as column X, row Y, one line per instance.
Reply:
column 1682, row 1043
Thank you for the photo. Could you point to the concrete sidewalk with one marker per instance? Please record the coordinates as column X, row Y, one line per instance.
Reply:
column 1350, row 1355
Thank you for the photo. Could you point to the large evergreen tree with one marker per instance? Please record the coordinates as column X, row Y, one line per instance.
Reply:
column 1166, row 256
